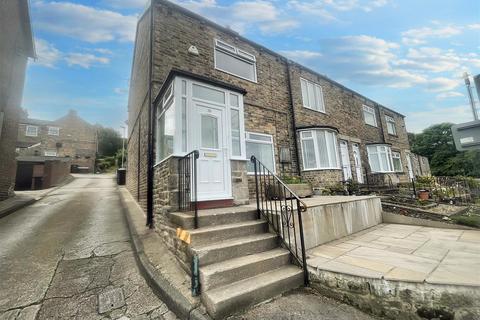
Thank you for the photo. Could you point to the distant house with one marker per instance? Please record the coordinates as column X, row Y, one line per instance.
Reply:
column 67, row 139
column 214, row 91
column 16, row 46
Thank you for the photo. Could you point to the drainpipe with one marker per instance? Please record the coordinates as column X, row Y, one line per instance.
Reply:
column 382, row 116
column 150, row 128
column 294, row 122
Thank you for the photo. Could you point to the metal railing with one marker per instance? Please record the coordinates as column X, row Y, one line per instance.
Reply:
column 282, row 209
column 449, row 190
column 187, row 184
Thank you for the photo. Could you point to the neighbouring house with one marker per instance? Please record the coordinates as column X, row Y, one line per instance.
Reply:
column 69, row 139
column 15, row 48
column 199, row 88
column 214, row 91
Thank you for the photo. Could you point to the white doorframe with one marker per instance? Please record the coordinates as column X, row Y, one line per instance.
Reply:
column 358, row 162
column 345, row 158
column 409, row 166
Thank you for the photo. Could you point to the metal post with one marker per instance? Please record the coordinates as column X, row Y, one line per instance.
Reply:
column 195, row 207
column 470, row 95
column 414, row 190
column 123, row 144
column 254, row 160
column 302, row 243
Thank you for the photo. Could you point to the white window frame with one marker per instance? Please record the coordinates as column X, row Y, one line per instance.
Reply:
column 271, row 143
column 235, row 53
column 53, row 131
column 50, row 153
column 168, row 100
column 378, row 151
column 397, row 155
column 390, row 120
column 319, row 100
column 369, row 110
column 31, row 127
column 317, row 149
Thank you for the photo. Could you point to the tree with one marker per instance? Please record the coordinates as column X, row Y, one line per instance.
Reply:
column 109, row 141
column 436, row 143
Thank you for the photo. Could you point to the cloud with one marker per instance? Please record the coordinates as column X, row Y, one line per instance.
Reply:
column 85, row 60
column 127, row 4
column 83, row 22
column 326, row 9
column 47, row 54
column 418, row 36
column 301, row 55
column 442, row 84
column 449, row 94
column 242, row 16
column 120, row 91
column 418, row 120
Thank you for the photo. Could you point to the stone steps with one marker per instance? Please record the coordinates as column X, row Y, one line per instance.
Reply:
column 233, row 297
column 215, row 234
column 235, row 248
column 213, row 217
column 240, row 268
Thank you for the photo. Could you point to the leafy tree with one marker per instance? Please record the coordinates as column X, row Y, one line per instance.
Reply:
column 436, row 143
column 109, row 141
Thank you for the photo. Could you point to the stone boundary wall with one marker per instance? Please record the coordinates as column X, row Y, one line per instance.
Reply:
column 399, row 300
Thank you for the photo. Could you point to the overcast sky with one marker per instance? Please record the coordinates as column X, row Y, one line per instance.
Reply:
column 406, row 54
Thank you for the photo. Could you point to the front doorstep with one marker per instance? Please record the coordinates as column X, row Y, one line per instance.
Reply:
column 212, row 204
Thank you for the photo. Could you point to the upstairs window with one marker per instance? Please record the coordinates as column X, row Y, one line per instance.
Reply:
column 380, row 158
column 319, row 150
column 53, row 131
column 261, row 146
column 397, row 162
column 31, row 131
column 312, row 95
column 391, row 125
column 369, row 116
column 235, row 61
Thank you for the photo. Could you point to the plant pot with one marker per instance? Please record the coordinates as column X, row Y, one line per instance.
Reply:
column 423, row 194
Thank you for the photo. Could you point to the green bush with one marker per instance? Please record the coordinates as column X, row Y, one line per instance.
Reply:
column 292, row 179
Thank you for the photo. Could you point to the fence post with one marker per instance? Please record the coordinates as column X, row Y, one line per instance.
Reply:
column 254, row 160
column 302, row 243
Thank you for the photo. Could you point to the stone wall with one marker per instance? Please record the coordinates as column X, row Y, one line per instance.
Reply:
column 399, row 300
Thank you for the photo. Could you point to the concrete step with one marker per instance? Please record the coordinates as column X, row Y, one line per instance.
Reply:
column 235, row 248
column 203, row 236
column 237, row 269
column 225, row 300
column 213, row 217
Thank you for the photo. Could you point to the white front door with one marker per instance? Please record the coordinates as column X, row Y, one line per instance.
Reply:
column 347, row 168
column 409, row 166
column 213, row 171
column 358, row 162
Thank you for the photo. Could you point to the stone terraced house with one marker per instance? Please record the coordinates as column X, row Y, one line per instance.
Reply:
column 68, row 137
column 200, row 86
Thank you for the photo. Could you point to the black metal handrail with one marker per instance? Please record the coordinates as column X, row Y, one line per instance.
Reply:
column 277, row 203
column 187, row 184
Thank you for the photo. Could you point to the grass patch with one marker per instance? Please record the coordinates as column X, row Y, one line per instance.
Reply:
column 472, row 220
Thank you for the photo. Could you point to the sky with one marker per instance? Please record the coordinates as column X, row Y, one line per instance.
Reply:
column 408, row 55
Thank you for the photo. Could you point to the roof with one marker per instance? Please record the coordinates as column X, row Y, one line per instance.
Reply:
column 263, row 48
column 36, row 122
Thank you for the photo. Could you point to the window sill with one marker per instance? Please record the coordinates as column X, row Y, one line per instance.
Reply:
column 383, row 172
column 232, row 74
column 318, row 111
column 393, row 135
column 163, row 160
column 371, row 125
column 321, row 169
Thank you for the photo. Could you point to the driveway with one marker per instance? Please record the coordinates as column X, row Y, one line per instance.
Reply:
column 69, row 256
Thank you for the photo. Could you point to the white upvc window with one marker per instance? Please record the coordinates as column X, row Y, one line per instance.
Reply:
column 50, row 153
column 260, row 145
column 166, row 123
column 235, row 61
column 380, row 158
column 369, row 116
column 397, row 161
column 31, row 131
column 53, row 131
column 391, row 125
column 312, row 95
column 319, row 149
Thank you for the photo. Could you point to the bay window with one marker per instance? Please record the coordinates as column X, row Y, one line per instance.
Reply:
column 397, row 161
column 380, row 158
column 261, row 146
column 319, row 149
